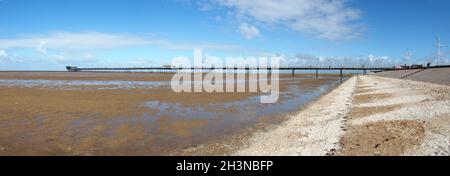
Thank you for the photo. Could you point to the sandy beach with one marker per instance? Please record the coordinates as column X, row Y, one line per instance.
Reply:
column 45, row 113
column 367, row 115
column 61, row 113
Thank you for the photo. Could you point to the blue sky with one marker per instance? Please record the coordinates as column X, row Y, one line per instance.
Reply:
column 50, row 34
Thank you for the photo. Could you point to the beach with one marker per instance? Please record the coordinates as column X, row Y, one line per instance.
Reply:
column 87, row 113
column 365, row 116
column 61, row 113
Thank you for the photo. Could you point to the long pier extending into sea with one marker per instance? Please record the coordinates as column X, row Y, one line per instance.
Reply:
column 293, row 69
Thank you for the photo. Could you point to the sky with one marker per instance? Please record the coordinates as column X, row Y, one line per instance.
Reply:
column 51, row 34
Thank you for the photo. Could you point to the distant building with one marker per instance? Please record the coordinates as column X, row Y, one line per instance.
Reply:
column 416, row 66
column 72, row 68
column 400, row 67
column 169, row 66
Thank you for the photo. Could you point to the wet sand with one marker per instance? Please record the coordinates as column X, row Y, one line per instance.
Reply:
column 60, row 113
column 368, row 116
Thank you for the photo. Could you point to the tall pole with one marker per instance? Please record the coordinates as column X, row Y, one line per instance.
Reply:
column 408, row 57
column 439, row 45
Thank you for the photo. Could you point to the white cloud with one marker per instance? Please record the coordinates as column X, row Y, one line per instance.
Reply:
column 3, row 54
column 347, row 61
column 203, row 45
column 249, row 31
column 96, row 41
column 142, row 62
column 41, row 48
column 325, row 19
column 74, row 41
column 77, row 48
column 59, row 58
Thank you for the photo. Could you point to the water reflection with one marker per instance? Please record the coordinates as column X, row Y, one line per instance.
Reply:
column 72, row 84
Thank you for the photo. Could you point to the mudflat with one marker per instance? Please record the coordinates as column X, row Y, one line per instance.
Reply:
column 86, row 113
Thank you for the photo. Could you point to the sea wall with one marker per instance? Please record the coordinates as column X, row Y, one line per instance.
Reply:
column 432, row 75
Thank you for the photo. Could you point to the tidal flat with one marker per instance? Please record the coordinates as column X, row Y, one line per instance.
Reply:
column 89, row 113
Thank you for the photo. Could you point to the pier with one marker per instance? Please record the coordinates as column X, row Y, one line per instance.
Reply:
column 173, row 69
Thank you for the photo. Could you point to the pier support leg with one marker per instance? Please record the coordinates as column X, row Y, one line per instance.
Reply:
column 293, row 73
column 341, row 72
column 317, row 73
